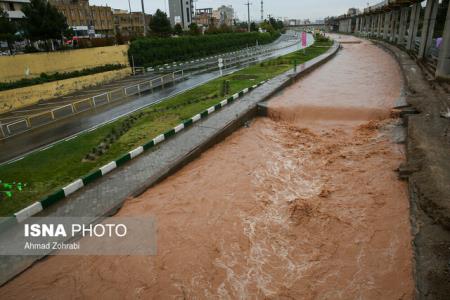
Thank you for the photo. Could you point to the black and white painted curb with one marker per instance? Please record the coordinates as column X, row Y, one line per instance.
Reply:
column 78, row 184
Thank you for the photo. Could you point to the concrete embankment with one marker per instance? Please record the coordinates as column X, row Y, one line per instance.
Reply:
column 16, row 67
column 304, row 204
column 20, row 66
column 428, row 173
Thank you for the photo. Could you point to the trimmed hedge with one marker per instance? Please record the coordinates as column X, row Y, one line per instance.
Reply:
column 44, row 78
column 155, row 51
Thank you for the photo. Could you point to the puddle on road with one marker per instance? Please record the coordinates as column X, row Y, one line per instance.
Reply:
column 304, row 204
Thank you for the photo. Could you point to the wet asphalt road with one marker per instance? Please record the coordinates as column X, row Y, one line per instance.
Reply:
column 48, row 135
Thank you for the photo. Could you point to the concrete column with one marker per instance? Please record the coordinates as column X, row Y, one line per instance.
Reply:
column 371, row 25
column 350, row 26
column 428, row 27
column 402, row 26
column 413, row 26
column 367, row 25
column 394, row 16
column 374, row 24
column 380, row 24
column 387, row 17
column 443, row 66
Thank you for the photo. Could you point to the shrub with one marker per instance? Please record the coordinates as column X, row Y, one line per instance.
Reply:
column 44, row 77
column 154, row 51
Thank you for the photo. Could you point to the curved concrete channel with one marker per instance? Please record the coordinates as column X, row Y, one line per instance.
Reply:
column 301, row 204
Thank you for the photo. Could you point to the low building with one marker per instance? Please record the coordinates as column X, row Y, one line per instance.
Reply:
column 204, row 17
column 13, row 8
column 225, row 15
column 130, row 24
column 86, row 19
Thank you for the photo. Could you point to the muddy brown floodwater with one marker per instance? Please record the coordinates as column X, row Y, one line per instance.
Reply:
column 304, row 204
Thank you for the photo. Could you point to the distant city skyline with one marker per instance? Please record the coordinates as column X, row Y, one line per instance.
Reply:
column 293, row 9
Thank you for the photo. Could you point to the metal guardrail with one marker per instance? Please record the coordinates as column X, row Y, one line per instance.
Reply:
column 64, row 111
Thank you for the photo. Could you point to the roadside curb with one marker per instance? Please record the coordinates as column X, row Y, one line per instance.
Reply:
column 78, row 184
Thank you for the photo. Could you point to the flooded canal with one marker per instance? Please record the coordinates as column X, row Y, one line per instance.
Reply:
column 303, row 204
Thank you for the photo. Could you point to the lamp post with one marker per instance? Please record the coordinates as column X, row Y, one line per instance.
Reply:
column 143, row 18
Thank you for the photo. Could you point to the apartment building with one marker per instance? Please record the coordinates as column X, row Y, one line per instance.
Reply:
column 130, row 24
column 13, row 8
column 85, row 19
column 181, row 12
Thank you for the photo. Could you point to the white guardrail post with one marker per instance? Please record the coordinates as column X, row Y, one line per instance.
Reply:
column 2, row 132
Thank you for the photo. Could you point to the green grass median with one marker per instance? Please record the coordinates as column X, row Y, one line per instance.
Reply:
column 45, row 171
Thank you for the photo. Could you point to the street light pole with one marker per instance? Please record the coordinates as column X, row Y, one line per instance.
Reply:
column 143, row 18
column 130, row 29
column 248, row 13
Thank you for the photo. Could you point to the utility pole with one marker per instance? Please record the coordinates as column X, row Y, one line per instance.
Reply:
column 262, row 11
column 143, row 18
column 131, row 22
column 248, row 13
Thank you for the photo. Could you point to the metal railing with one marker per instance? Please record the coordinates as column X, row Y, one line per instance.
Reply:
column 67, row 110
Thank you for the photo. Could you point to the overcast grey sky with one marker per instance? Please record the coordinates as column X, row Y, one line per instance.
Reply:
column 296, row 9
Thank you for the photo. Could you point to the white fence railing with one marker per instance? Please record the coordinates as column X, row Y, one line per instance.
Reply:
column 67, row 110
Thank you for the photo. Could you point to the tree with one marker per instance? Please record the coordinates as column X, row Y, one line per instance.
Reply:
column 7, row 29
column 160, row 24
column 193, row 29
column 253, row 26
column 267, row 27
column 178, row 30
column 43, row 21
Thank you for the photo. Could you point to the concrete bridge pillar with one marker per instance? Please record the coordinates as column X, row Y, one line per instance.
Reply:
column 394, row 17
column 375, row 25
column 387, row 18
column 359, row 24
column 380, row 23
column 428, row 27
column 402, row 26
column 413, row 26
column 350, row 29
column 367, row 25
column 370, row 25
column 443, row 66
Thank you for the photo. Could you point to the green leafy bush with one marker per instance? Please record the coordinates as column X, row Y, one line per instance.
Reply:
column 44, row 78
column 154, row 51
